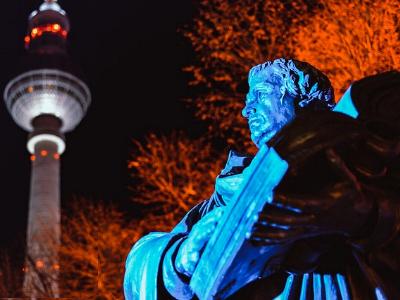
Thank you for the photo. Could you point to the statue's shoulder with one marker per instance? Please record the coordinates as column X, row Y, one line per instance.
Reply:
column 366, row 141
column 376, row 101
column 377, row 98
column 312, row 132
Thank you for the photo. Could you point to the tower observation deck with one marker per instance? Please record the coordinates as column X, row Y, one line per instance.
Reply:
column 47, row 98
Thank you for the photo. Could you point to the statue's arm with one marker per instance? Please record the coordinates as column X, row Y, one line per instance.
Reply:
column 150, row 271
column 182, row 257
column 174, row 282
column 151, row 267
column 142, row 266
column 377, row 164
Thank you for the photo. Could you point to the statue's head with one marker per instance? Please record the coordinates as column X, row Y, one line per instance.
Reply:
column 280, row 90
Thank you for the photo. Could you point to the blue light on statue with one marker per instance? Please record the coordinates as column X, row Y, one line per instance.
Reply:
column 342, row 286
column 330, row 291
column 346, row 105
column 286, row 291
column 379, row 294
column 317, row 286
column 303, row 295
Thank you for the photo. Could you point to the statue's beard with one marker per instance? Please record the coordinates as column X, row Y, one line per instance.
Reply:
column 262, row 133
column 262, row 138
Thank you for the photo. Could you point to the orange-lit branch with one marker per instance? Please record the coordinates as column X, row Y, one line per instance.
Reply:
column 172, row 174
column 350, row 39
column 96, row 241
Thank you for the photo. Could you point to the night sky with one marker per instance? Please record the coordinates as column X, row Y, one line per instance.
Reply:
column 132, row 56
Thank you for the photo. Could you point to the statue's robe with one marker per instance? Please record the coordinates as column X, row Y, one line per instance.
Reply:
column 336, row 275
column 324, row 267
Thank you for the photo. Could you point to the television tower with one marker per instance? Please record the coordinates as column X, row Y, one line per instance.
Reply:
column 47, row 98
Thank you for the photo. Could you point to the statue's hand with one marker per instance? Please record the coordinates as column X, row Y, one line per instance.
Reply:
column 340, row 210
column 192, row 247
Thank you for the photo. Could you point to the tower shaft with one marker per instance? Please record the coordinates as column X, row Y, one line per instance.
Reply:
column 43, row 236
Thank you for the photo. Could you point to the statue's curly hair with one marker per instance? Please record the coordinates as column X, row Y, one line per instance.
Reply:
column 309, row 87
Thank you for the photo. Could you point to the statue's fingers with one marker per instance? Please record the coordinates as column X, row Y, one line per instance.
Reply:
column 259, row 242
column 211, row 217
column 202, row 230
column 264, row 227
column 268, row 231
column 190, row 250
column 279, row 216
column 299, row 204
column 186, row 259
column 202, row 234
column 274, row 235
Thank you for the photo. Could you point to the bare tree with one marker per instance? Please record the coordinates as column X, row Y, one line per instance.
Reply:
column 11, row 276
column 14, row 267
column 171, row 174
column 347, row 39
column 95, row 243
column 229, row 37
column 350, row 39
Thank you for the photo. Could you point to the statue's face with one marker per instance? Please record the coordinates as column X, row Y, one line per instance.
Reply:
column 267, row 109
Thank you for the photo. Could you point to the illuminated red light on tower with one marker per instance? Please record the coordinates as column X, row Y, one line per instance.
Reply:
column 34, row 32
column 56, row 156
column 39, row 264
column 33, row 157
column 50, row 28
column 43, row 153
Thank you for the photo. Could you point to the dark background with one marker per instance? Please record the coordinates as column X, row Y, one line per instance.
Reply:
column 132, row 56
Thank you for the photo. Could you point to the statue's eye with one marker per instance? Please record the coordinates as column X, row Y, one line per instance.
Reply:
column 264, row 99
column 269, row 88
column 259, row 94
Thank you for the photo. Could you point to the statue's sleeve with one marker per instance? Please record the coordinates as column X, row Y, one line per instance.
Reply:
column 149, row 270
column 142, row 266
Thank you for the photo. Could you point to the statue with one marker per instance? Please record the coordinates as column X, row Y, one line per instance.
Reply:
column 334, row 218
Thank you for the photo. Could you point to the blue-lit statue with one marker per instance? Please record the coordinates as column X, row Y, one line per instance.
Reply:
column 314, row 215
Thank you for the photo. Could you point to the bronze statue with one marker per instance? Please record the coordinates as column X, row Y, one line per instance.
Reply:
column 330, row 231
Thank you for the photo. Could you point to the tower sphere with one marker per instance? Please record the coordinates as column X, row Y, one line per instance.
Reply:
column 48, row 84
column 47, row 92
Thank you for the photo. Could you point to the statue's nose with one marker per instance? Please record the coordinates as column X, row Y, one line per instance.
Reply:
column 248, row 110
